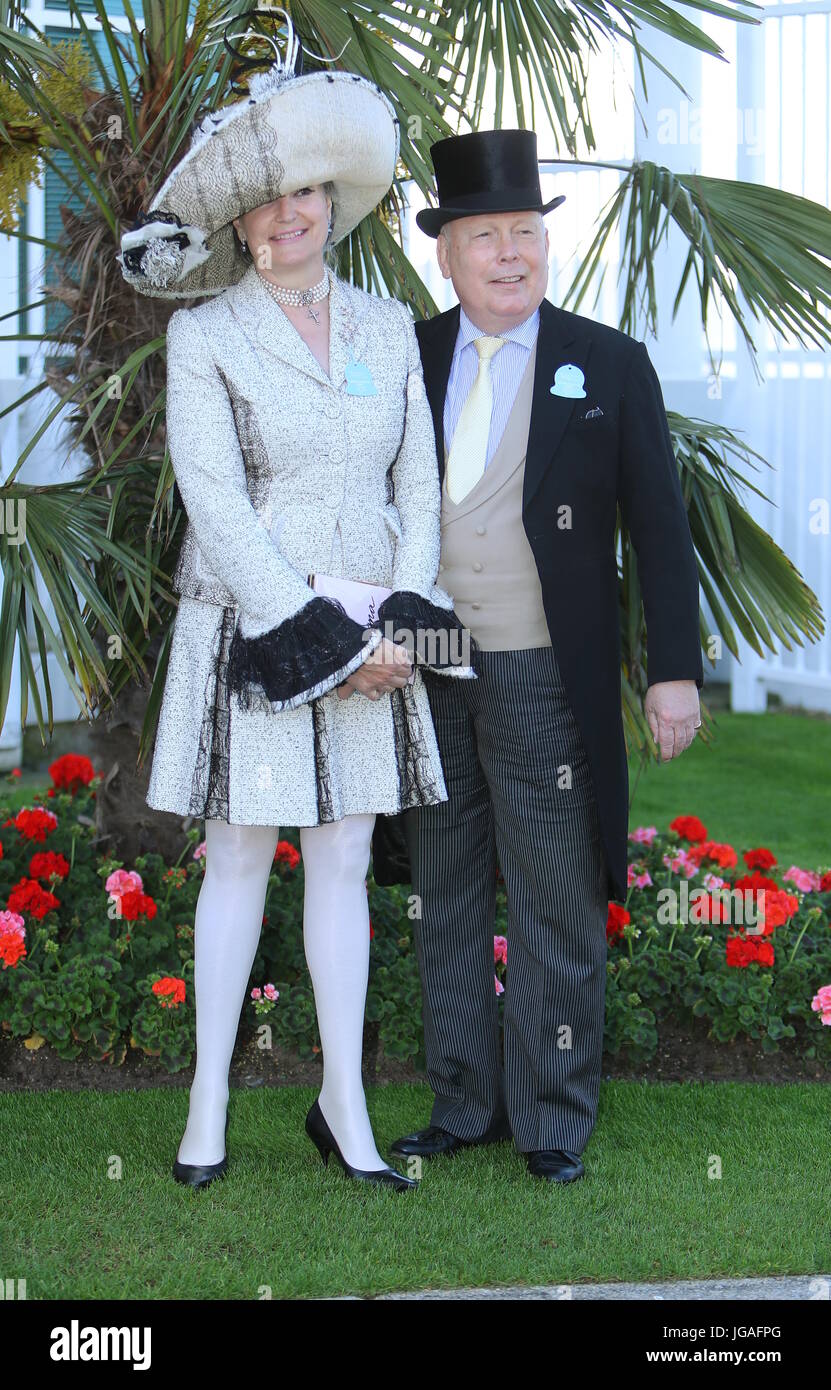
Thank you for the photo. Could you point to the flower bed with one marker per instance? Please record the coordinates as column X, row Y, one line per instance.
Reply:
column 97, row 956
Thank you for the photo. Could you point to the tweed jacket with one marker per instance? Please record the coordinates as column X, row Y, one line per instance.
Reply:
column 278, row 468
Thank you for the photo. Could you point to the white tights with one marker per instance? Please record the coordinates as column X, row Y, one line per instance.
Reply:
column 229, row 916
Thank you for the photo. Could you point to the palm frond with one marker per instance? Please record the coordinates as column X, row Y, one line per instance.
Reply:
column 772, row 246
column 546, row 47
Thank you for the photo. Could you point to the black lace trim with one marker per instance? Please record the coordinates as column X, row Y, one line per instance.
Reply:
column 416, row 784
column 406, row 609
column 302, row 658
column 211, row 774
column 323, row 769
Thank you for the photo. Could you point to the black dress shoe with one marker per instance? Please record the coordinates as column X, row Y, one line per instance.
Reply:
column 433, row 1141
column 202, row 1174
column 325, row 1143
column 558, row 1165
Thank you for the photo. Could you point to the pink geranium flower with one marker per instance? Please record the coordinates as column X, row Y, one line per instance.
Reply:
column 500, row 950
column 123, row 881
column 805, row 880
column 638, row 878
column 680, row 863
column 644, row 835
column 821, row 1003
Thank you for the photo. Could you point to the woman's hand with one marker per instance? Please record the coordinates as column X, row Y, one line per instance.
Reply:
column 388, row 667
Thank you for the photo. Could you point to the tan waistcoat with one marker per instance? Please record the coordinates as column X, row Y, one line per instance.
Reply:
column 486, row 562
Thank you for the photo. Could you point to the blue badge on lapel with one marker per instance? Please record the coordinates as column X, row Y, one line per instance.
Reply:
column 359, row 379
column 568, row 381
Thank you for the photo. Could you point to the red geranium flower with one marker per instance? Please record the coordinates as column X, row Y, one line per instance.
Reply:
column 136, row 904
column 12, row 939
column 28, row 896
column 759, row 859
column 688, row 828
column 35, row 825
column 744, row 950
column 616, row 920
column 778, row 907
column 285, row 853
column 723, row 855
column 12, row 949
column 755, row 881
column 46, row 863
column 709, row 909
column 170, row 991
column 71, row 771
column 825, row 883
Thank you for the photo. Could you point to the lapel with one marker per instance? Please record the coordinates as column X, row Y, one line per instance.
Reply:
column 438, row 339
column 275, row 332
column 557, row 343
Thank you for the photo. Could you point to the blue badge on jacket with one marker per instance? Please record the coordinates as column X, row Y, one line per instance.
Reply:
column 568, row 381
column 359, row 380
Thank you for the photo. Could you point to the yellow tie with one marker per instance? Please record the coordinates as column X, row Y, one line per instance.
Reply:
column 469, row 450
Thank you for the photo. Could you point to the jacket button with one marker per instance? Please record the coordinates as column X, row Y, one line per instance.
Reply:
column 336, row 454
column 441, row 567
column 477, row 565
column 480, row 530
column 476, row 605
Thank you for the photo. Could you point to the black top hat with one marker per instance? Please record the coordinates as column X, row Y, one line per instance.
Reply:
column 486, row 171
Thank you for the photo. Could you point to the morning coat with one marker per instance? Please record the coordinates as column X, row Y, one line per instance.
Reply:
column 588, row 455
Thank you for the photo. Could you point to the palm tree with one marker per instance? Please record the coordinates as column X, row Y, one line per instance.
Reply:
column 110, row 112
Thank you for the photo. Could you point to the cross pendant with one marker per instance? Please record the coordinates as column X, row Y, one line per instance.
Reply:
column 314, row 314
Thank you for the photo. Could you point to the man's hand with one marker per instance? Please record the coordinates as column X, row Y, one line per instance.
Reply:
column 388, row 667
column 674, row 715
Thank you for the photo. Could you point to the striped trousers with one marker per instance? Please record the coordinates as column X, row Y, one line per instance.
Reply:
column 520, row 790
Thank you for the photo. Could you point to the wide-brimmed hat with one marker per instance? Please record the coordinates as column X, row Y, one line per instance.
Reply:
column 485, row 171
column 289, row 131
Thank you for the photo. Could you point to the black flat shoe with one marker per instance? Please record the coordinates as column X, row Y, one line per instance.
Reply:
column 558, row 1165
column 435, row 1141
column 325, row 1143
column 201, row 1174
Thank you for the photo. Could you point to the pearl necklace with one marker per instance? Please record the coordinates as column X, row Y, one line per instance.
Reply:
column 285, row 295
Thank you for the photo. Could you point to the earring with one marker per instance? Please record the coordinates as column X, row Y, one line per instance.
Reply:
column 243, row 243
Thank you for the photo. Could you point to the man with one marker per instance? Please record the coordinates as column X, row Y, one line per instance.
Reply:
column 545, row 421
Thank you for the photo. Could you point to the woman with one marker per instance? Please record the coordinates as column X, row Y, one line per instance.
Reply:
column 302, row 444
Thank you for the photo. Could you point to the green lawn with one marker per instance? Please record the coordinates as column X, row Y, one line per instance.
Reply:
column 764, row 780
column 645, row 1210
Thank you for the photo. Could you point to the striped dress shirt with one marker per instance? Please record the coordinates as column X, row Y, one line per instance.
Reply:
column 507, row 367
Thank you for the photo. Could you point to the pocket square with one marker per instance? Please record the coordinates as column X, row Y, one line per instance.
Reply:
column 593, row 414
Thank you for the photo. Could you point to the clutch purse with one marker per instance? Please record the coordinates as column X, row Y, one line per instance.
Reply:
column 360, row 597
